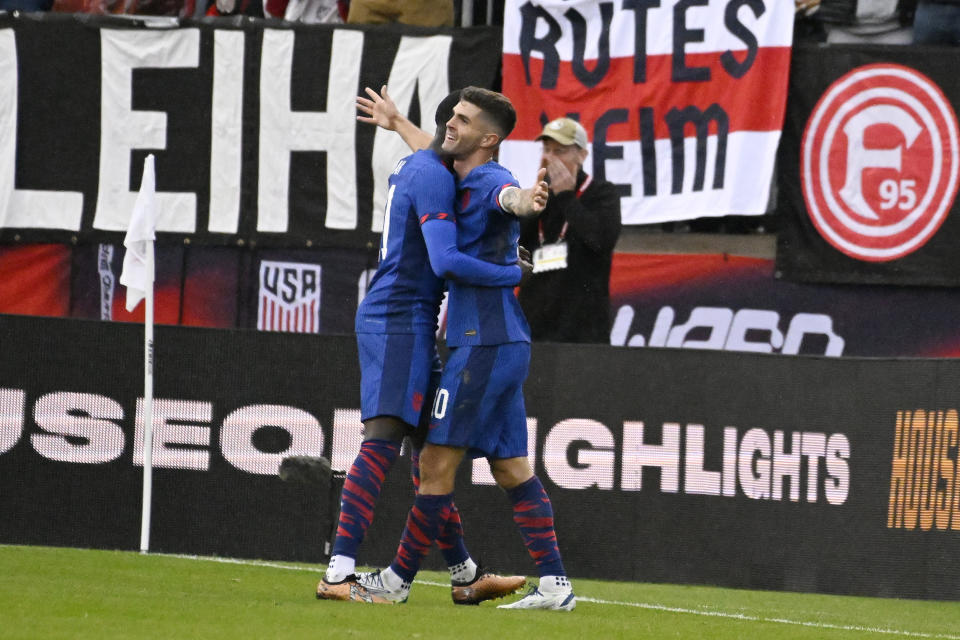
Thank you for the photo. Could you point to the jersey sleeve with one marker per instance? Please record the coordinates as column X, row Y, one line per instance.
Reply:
column 449, row 263
column 503, row 181
column 434, row 192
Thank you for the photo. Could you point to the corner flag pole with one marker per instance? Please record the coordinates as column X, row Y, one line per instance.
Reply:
column 147, row 407
column 137, row 276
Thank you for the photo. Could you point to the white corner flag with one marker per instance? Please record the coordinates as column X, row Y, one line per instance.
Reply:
column 137, row 273
column 137, row 276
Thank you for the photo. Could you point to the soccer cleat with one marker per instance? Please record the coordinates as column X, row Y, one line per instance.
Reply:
column 372, row 583
column 347, row 590
column 485, row 586
column 536, row 599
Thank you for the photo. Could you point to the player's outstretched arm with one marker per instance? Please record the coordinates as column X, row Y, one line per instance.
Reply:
column 450, row 264
column 525, row 203
column 380, row 110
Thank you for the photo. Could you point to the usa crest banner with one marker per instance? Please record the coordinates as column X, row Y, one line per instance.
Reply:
column 869, row 167
column 683, row 101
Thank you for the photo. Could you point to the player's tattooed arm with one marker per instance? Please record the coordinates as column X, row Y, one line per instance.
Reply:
column 525, row 203
column 379, row 109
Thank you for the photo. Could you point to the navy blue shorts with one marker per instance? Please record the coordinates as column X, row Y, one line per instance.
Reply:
column 399, row 373
column 479, row 404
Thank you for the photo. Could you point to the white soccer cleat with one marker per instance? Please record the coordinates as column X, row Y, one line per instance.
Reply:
column 373, row 584
column 536, row 599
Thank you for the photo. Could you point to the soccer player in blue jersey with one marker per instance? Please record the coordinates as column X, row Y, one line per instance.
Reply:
column 396, row 327
column 479, row 408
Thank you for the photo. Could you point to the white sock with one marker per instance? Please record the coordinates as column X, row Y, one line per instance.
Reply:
column 339, row 568
column 466, row 571
column 392, row 581
column 554, row 584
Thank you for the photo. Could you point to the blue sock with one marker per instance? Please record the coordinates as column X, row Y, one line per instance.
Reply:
column 533, row 513
column 360, row 492
column 450, row 541
column 426, row 517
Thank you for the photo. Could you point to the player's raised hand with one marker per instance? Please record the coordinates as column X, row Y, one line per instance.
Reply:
column 524, row 203
column 379, row 109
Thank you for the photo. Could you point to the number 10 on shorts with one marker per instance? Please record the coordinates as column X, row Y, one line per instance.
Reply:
column 440, row 401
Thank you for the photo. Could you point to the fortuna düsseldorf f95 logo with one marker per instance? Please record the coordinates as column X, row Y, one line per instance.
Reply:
column 879, row 162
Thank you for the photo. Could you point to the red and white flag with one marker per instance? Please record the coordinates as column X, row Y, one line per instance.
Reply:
column 683, row 102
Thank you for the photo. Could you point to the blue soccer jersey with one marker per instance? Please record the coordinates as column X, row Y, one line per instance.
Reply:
column 404, row 294
column 485, row 315
column 418, row 249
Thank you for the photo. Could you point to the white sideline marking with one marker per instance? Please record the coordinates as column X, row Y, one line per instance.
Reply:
column 638, row 605
column 749, row 618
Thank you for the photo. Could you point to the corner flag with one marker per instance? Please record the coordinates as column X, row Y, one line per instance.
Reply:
column 137, row 276
column 137, row 273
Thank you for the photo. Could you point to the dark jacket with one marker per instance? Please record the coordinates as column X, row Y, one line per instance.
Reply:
column 573, row 304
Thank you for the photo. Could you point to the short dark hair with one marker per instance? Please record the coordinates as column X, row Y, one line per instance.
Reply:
column 496, row 107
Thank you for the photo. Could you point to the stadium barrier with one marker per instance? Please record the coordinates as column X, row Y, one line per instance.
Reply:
column 745, row 470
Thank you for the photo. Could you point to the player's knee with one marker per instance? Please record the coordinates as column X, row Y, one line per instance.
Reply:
column 438, row 469
column 385, row 428
column 511, row 472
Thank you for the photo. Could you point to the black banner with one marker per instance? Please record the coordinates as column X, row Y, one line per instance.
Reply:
column 868, row 166
column 253, row 124
column 746, row 470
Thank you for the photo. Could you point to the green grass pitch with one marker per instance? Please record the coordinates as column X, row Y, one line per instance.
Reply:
column 82, row 594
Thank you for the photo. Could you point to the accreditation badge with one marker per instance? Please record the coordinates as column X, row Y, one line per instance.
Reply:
column 550, row 257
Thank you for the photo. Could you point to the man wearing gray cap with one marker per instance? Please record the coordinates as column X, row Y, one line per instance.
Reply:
column 567, row 297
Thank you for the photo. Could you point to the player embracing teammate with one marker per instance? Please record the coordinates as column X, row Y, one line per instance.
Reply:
column 478, row 409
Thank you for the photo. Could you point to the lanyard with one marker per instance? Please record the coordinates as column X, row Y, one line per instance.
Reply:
column 566, row 225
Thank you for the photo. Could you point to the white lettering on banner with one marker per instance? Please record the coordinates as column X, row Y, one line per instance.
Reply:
column 837, row 486
column 578, row 453
column 239, row 427
column 347, row 438
column 25, row 208
column 637, row 454
column 758, row 467
column 12, row 408
column 753, row 464
column 785, row 465
column 80, row 427
column 226, row 131
column 420, row 64
column 283, row 130
column 728, row 330
column 84, row 428
column 814, row 447
column 696, row 479
column 123, row 129
column 729, row 461
column 419, row 68
column 181, row 434
column 594, row 464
